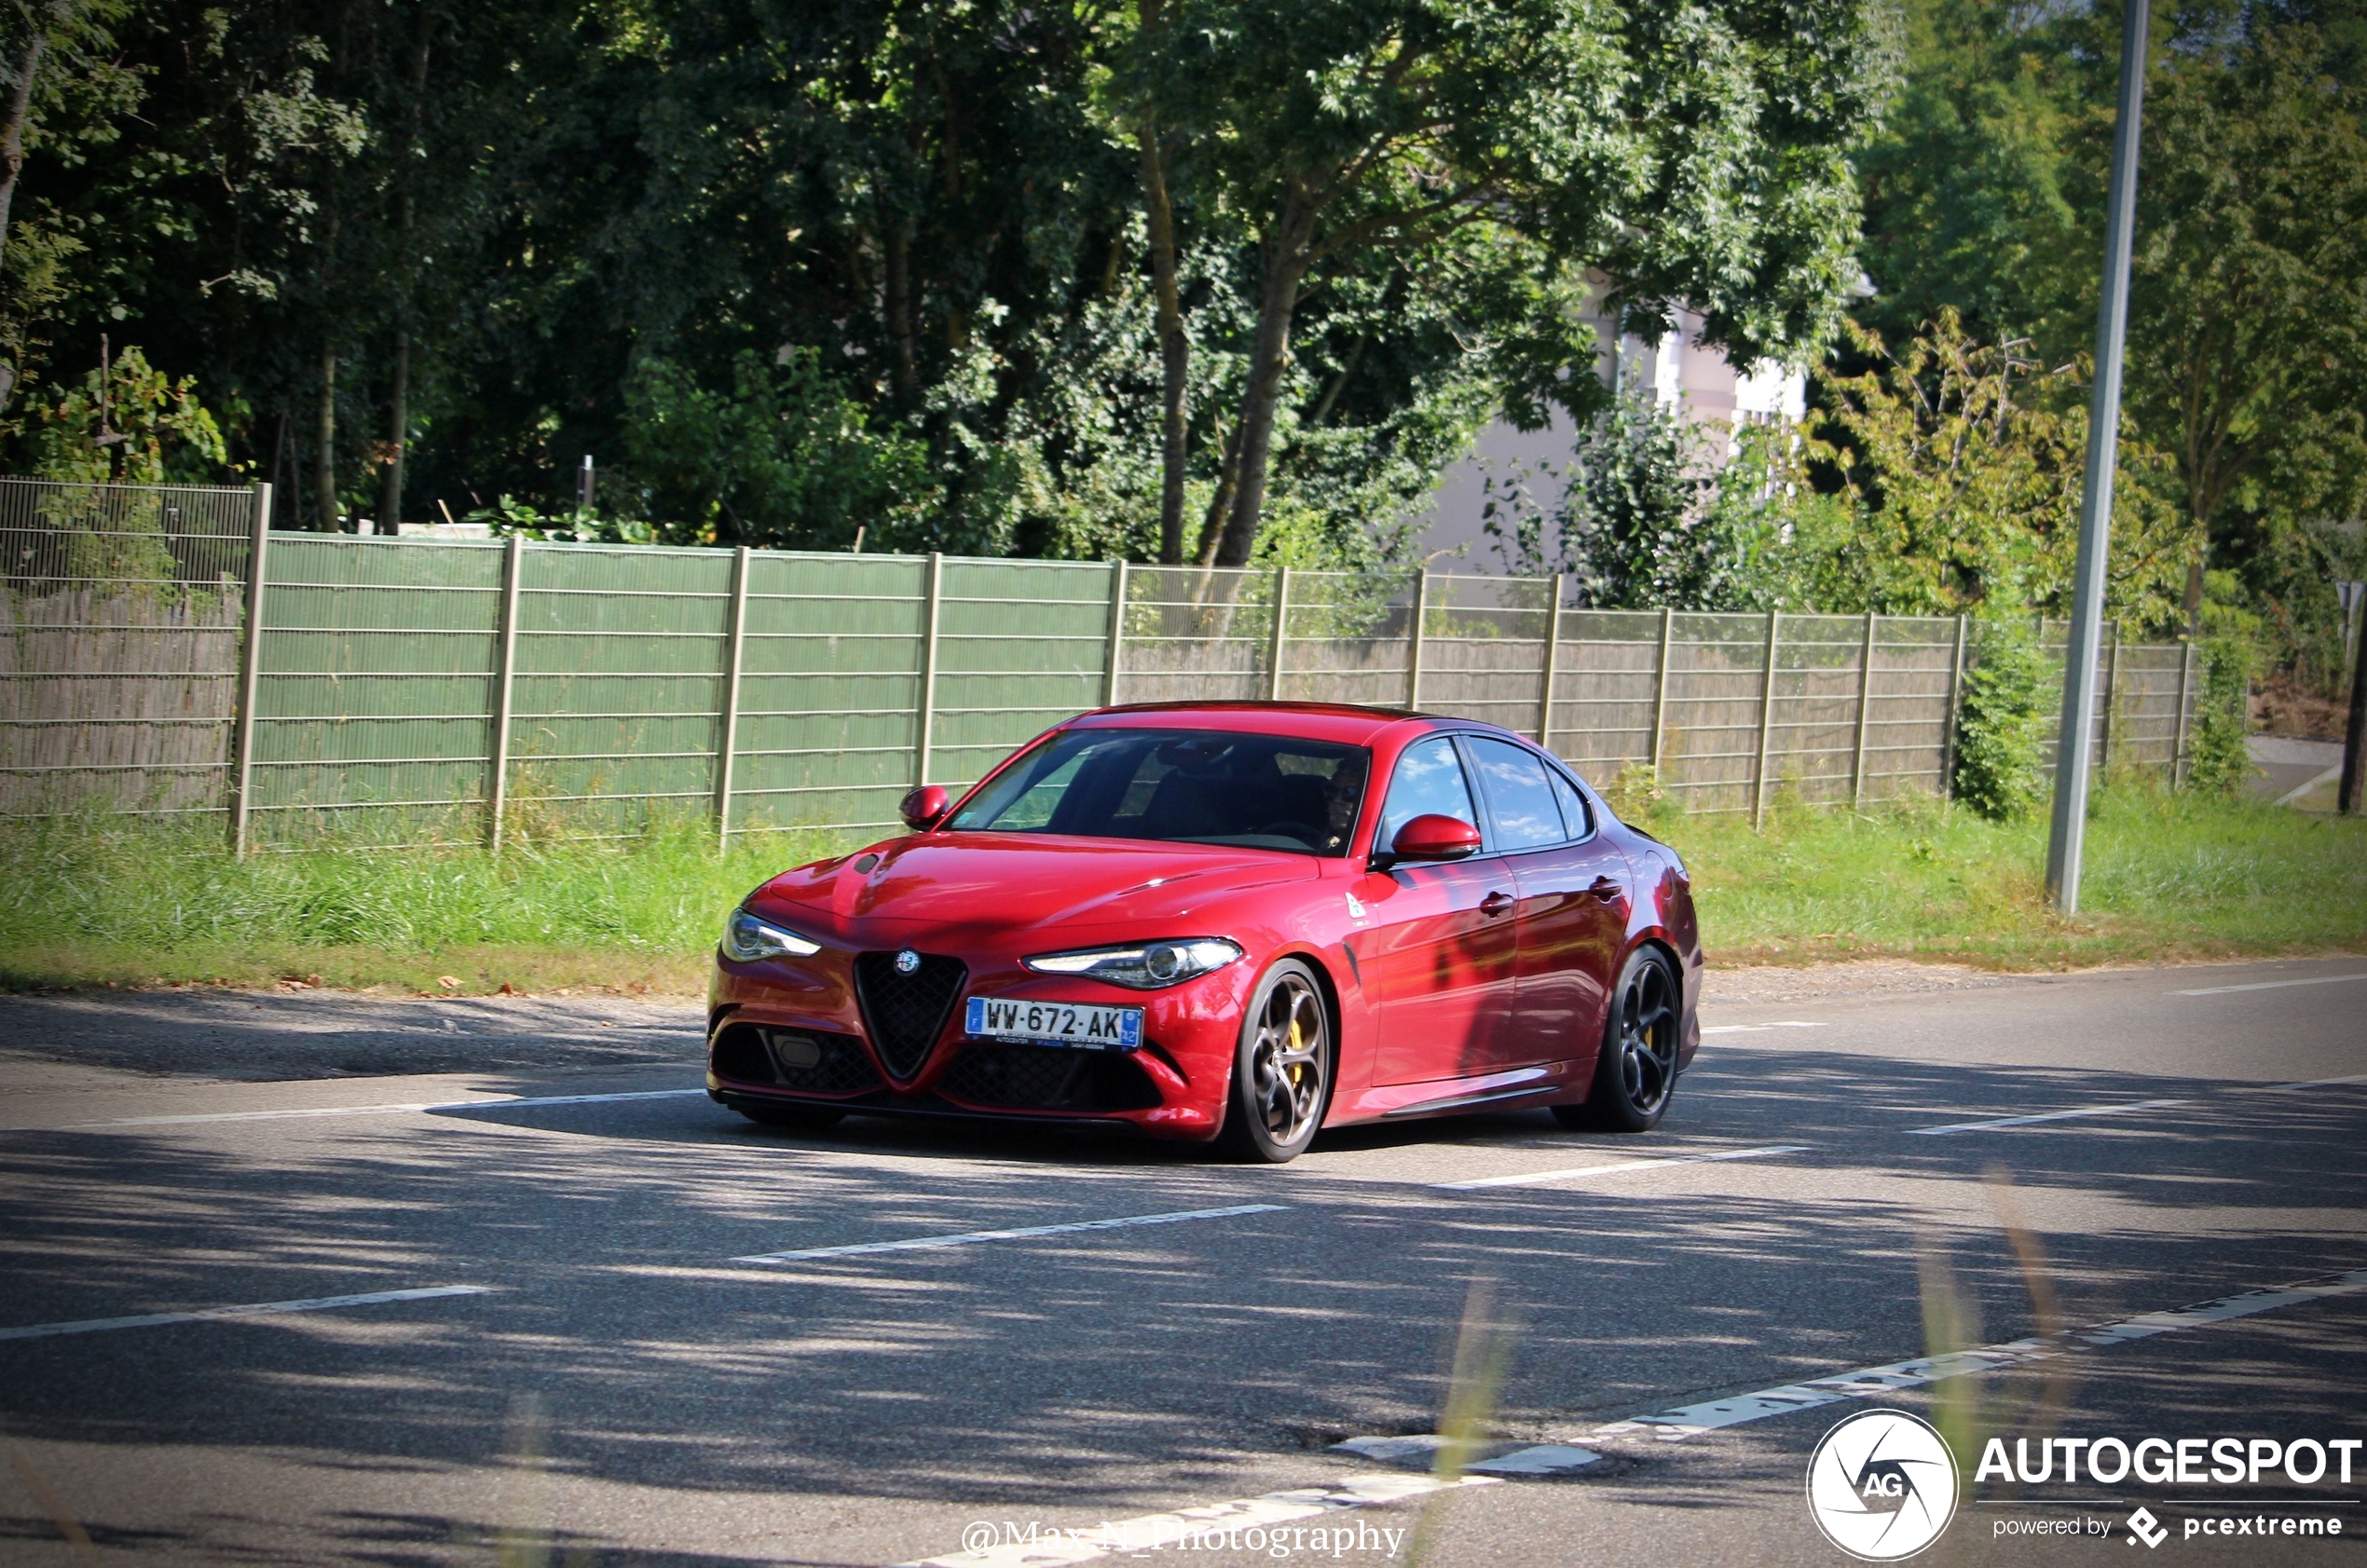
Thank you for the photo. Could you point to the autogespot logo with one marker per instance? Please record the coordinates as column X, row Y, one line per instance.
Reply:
column 1881, row 1485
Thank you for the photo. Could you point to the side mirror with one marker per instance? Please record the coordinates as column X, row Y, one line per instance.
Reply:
column 925, row 806
column 1434, row 837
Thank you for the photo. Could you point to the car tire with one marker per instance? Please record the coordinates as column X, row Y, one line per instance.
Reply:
column 1281, row 1070
column 792, row 1118
column 1636, row 1072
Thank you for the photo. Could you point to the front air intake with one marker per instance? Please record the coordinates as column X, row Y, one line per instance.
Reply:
column 905, row 1013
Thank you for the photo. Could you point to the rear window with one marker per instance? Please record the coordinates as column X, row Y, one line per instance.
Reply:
column 1197, row 786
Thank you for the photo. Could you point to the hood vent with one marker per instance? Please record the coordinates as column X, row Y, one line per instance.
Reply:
column 906, row 1013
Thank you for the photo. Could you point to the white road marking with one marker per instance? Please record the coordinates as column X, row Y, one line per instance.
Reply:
column 253, row 1309
column 1212, row 1523
column 384, row 1109
column 1025, row 1233
column 2313, row 1083
column 1576, row 1172
column 2272, row 985
column 1689, row 1421
column 2049, row 1116
column 1754, row 1029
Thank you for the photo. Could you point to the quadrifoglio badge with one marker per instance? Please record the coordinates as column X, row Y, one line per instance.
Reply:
column 1881, row 1485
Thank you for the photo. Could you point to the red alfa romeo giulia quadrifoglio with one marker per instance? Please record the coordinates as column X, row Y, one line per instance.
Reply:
column 1232, row 920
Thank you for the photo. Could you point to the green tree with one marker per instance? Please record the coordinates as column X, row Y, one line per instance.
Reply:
column 1689, row 153
column 125, row 424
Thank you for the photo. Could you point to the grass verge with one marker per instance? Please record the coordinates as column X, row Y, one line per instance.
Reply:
column 108, row 901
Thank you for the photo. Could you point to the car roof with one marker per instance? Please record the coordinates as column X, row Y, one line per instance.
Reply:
column 1314, row 721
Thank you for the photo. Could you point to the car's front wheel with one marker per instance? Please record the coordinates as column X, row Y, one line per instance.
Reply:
column 1282, row 1072
column 1638, row 1070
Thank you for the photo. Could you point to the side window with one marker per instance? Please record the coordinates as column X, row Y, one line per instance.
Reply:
column 1576, row 815
column 1429, row 778
column 1520, row 801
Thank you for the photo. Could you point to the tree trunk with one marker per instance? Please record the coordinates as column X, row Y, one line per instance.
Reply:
column 899, row 307
column 398, row 437
column 324, row 457
column 1219, row 505
column 20, row 109
column 1175, row 350
column 1285, row 265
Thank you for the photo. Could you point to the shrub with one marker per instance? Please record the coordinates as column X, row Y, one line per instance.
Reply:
column 2001, row 730
column 2217, row 760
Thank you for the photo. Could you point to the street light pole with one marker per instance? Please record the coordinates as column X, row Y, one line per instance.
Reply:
column 2078, row 733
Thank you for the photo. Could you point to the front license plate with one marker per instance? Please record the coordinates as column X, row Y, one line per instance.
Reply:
column 1056, row 1023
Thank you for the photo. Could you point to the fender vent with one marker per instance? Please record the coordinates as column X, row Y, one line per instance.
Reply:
column 906, row 1013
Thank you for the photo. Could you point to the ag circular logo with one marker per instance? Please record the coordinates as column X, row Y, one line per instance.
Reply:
column 1881, row 1485
column 906, row 962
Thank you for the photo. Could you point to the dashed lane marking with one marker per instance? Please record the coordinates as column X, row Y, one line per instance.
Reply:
column 1024, row 1233
column 2272, row 985
column 2048, row 1116
column 251, row 1309
column 1690, row 1421
column 1754, row 1029
column 383, row 1110
column 1575, row 1173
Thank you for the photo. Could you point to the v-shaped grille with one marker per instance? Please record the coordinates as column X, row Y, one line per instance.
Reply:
column 906, row 1013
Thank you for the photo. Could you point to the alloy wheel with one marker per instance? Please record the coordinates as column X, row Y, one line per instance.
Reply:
column 1647, row 1026
column 1287, row 1061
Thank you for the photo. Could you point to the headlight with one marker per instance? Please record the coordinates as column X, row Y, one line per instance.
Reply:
column 1145, row 967
column 747, row 939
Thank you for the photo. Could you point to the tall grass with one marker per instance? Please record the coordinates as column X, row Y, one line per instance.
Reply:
column 112, row 900
column 2181, row 876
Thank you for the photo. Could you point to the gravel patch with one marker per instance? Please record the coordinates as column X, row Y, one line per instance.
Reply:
column 1856, row 978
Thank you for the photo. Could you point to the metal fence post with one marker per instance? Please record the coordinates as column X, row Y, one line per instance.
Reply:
column 2185, row 688
column 504, row 679
column 250, row 673
column 1659, row 686
column 1282, row 630
column 1948, row 719
column 727, row 739
column 928, row 716
column 1553, row 665
column 1766, row 723
column 2112, row 703
column 1117, row 633
column 1865, row 704
column 1414, row 643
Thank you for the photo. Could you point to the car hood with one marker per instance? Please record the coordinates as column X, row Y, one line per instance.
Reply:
column 1021, row 882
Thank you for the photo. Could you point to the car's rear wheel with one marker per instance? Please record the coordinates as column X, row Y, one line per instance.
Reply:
column 1282, row 1072
column 1636, row 1072
column 792, row 1118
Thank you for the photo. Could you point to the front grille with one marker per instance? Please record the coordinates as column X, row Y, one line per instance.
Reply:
column 1046, row 1077
column 906, row 1013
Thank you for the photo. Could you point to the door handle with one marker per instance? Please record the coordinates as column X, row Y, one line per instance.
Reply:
column 1496, row 903
column 1608, row 890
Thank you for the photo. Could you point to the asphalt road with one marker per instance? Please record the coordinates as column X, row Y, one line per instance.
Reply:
column 609, row 1379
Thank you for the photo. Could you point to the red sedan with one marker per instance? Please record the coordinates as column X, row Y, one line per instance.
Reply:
column 1234, row 921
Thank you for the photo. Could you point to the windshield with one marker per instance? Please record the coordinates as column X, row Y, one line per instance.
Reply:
column 1195, row 786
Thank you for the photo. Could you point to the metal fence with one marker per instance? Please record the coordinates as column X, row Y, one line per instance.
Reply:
column 442, row 690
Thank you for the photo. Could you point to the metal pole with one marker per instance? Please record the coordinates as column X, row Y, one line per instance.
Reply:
column 1766, row 723
column 928, row 716
column 1117, row 633
column 2355, row 737
column 2185, row 690
column 250, row 673
column 1281, row 627
column 504, row 678
column 1948, row 719
column 1660, row 688
column 1865, row 703
column 1552, row 667
column 2070, row 827
column 728, row 737
column 1414, row 643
